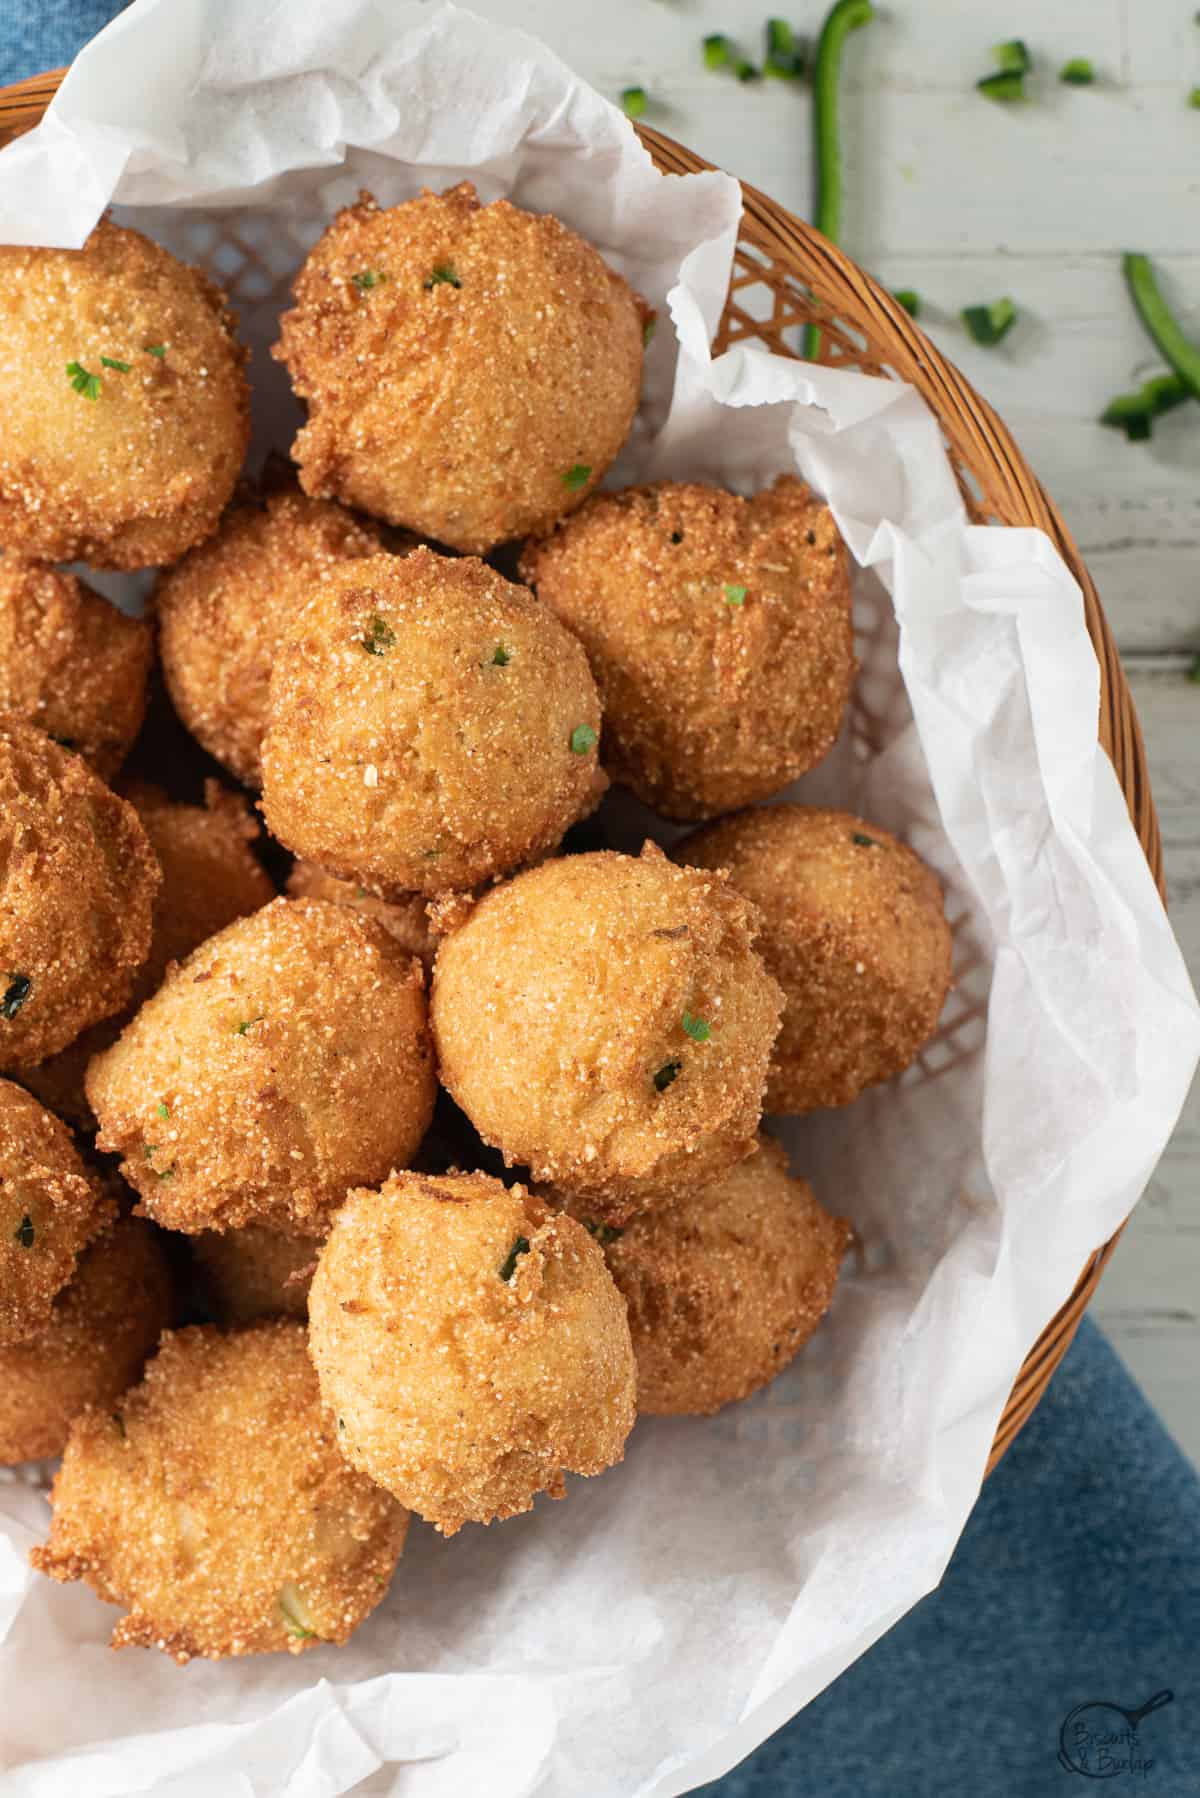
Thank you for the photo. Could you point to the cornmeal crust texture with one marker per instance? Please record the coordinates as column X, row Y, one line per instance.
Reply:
column 719, row 632
column 284, row 1061
column 223, row 610
column 50, row 1209
column 78, row 881
column 102, row 1326
column 431, row 726
column 854, row 930
column 470, row 371
column 723, row 1287
column 404, row 914
column 214, row 1506
column 471, row 1344
column 609, row 1026
column 71, row 662
column 125, row 405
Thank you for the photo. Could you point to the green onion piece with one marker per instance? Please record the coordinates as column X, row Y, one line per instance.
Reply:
column 716, row 51
column 666, row 1075
column 442, row 276
column 577, row 476
column 909, row 299
column 1182, row 355
column 745, row 70
column 648, row 330
column 240, row 1030
column 864, row 841
column 111, row 362
column 367, row 278
column 15, row 994
column 604, row 1233
column 1078, row 72
column 120, row 1423
column 633, row 102
column 84, row 383
column 501, row 657
column 1135, row 413
column 295, row 1613
column 162, row 1109
column 1194, row 672
column 989, row 325
column 1193, row 99
column 583, row 738
column 380, row 637
column 699, row 1029
column 508, row 1266
column 1013, row 57
column 786, row 54
column 734, row 596
column 842, row 18
column 1004, row 85
column 24, row 1232
column 156, row 349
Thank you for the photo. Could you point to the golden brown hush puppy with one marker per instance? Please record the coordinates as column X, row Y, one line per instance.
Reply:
column 609, row 1025
column 223, row 610
column 50, row 1208
column 540, row 1380
column 854, row 931
column 78, row 881
column 284, row 1061
column 718, row 629
column 102, row 1327
column 470, row 371
column 723, row 1286
column 214, row 1505
column 404, row 914
column 210, row 876
column 125, row 405
column 71, row 663
column 250, row 1273
column 430, row 726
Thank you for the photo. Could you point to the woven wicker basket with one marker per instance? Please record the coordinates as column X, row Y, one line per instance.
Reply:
column 787, row 275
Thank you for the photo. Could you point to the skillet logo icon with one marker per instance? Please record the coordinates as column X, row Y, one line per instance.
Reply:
column 1100, row 1740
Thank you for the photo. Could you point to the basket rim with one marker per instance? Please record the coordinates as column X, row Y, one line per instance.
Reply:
column 780, row 233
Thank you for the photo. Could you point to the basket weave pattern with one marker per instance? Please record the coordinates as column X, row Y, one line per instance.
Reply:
column 787, row 276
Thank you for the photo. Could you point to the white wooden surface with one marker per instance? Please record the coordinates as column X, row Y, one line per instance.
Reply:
column 966, row 201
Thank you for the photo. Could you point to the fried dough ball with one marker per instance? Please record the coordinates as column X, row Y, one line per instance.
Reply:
column 50, row 1208
column 252, row 1272
column 471, row 371
column 215, row 1506
column 539, row 1379
column 223, row 610
column 724, row 1286
column 72, row 663
column 718, row 630
column 430, row 726
column 102, row 1327
column 404, row 914
column 609, row 1025
column 125, row 405
column 853, row 929
column 78, row 880
column 284, row 1061
column 210, row 876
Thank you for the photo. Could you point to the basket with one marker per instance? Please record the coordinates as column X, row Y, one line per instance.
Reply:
column 786, row 275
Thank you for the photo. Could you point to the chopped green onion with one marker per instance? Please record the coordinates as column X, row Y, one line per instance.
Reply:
column 666, row 1075
column 990, row 324
column 241, row 1029
column 156, row 349
column 15, row 994
column 745, row 70
column 864, row 841
column 676, row 536
column 120, row 1423
column 716, row 51
column 84, row 383
column 1078, row 72
column 909, row 299
column 841, row 19
column 699, row 1029
column 1004, row 85
column 583, row 738
column 604, row 1233
column 1135, row 413
column 501, row 656
column 162, row 1109
column 734, row 596
column 443, row 276
column 786, row 54
column 1160, row 322
column 508, row 1266
column 379, row 638
column 648, row 330
column 633, row 102
column 1193, row 99
column 577, row 476
column 367, row 278
column 1013, row 57
column 122, row 368
column 24, row 1232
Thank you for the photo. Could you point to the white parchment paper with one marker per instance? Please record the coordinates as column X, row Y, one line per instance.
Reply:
column 648, row 1633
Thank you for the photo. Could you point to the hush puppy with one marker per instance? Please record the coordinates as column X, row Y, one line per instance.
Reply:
column 125, row 405
column 854, row 931
column 719, row 632
column 284, row 1061
column 214, row 1505
column 102, row 1327
column 471, row 1344
column 223, row 610
column 210, row 876
column 470, row 371
column 404, row 914
column 50, row 1208
column 78, row 880
column 72, row 663
column 430, row 726
column 250, row 1273
column 723, row 1286
column 608, row 1024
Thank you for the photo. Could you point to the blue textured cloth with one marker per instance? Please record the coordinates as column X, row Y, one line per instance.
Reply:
column 1077, row 1579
